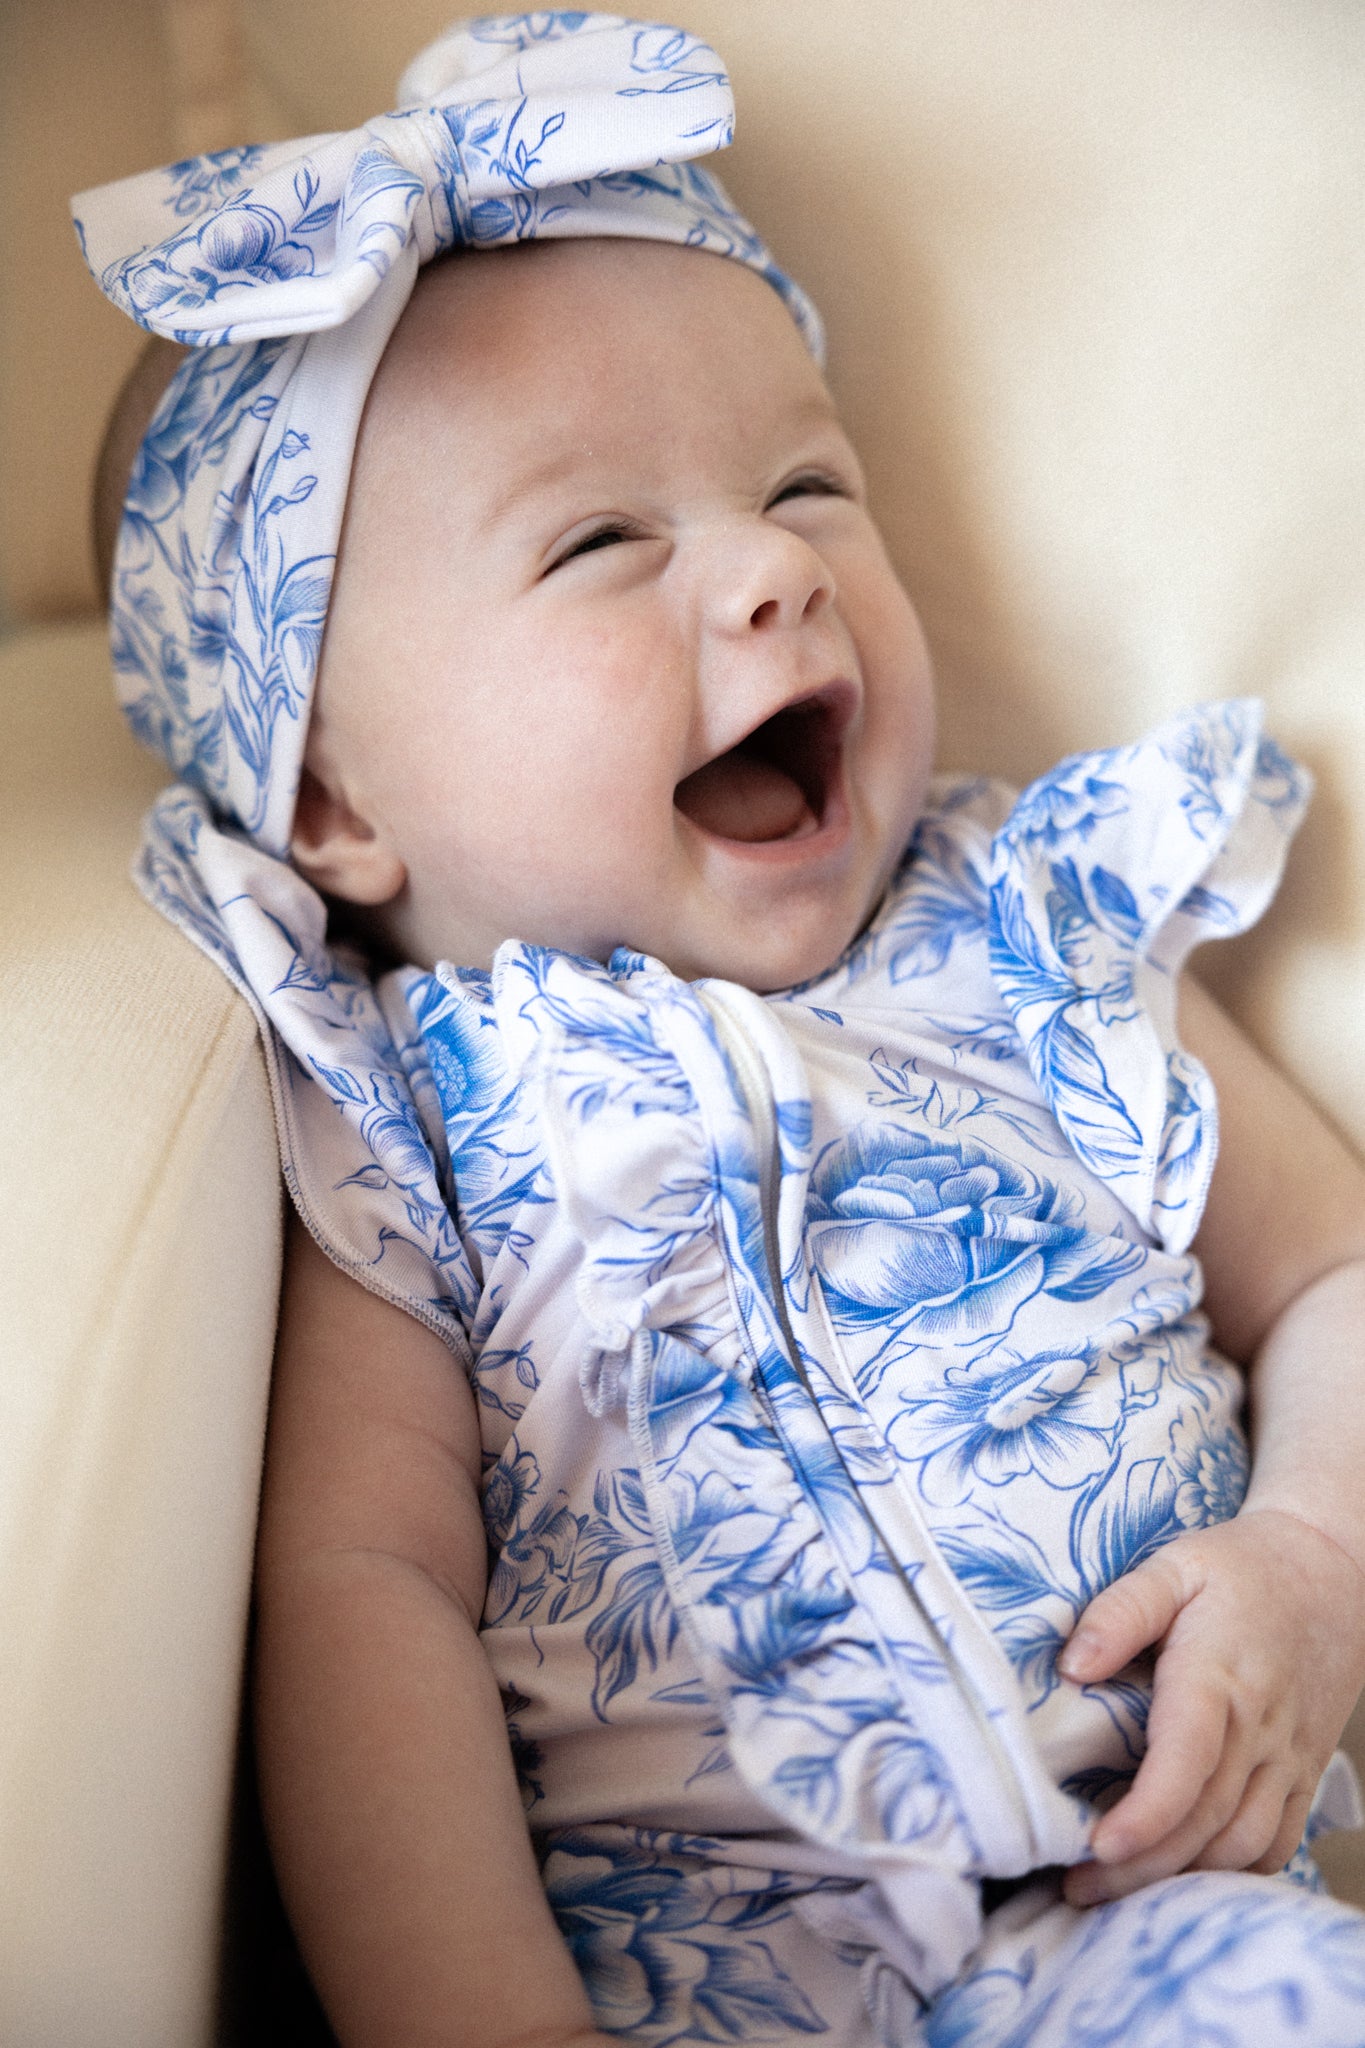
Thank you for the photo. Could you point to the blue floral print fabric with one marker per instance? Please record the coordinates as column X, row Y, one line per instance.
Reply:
column 833, row 1350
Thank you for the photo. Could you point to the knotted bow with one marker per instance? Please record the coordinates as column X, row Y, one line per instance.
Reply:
column 507, row 129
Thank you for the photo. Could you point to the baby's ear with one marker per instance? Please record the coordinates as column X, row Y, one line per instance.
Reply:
column 338, row 851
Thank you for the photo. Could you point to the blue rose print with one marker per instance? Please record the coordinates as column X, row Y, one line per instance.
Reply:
column 667, row 1956
column 239, row 246
column 941, row 1236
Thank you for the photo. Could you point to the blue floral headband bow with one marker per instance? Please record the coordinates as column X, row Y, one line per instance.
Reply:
column 287, row 268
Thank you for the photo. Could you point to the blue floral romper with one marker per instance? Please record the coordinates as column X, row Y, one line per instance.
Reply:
column 833, row 1350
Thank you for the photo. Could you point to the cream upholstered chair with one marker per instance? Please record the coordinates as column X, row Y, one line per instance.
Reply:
column 1094, row 279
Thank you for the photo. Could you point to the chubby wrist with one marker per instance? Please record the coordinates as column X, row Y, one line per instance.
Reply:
column 1314, row 1518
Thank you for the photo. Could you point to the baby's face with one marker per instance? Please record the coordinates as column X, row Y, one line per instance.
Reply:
column 615, row 655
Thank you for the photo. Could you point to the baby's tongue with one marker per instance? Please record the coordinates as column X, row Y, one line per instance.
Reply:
column 739, row 797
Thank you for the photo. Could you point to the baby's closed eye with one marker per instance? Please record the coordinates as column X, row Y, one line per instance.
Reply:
column 608, row 534
column 810, row 484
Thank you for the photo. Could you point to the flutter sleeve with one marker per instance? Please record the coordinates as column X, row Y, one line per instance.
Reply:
column 1106, row 874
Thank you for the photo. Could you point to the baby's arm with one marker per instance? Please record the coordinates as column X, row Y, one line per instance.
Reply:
column 1260, row 1622
column 389, row 1792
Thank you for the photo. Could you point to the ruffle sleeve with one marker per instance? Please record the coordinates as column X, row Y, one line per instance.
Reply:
column 1106, row 874
column 359, row 1138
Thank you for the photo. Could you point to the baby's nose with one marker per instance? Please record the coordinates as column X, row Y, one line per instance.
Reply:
column 773, row 579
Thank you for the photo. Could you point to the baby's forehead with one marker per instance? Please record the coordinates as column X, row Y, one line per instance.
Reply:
column 620, row 269
column 585, row 337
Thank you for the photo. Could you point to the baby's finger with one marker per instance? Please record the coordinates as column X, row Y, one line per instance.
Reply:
column 1088, row 1884
column 1287, row 1836
column 1266, row 1828
column 1187, row 1734
column 1126, row 1618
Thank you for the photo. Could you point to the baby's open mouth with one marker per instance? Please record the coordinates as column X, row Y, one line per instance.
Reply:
column 777, row 782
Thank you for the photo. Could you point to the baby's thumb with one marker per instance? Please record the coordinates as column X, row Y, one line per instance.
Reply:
column 1127, row 1617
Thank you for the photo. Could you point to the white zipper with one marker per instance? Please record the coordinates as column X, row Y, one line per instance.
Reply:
column 752, row 1076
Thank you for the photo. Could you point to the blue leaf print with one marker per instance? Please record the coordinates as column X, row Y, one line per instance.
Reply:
column 1186, row 1131
column 1095, row 1115
column 735, row 2001
column 492, row 220
column 1097, row 1784
column 1209, row 908
column 1088, row 1277
column 1132, row 1528
column 811, row 1779
column 946, row 903
column 1023, row 972
column 734, row 1525
column 1068, row 915
column 794, row 1125
column 632, row 1633
column 984, row 1038
column 624, row 1493
column 302, row 489
column 914, row 1790
column 339, row 1080
column 1117, row 901
column 778, row 1628
column 999, row 1579
column 514, row 1369
column 687, row 1393
column 1033, row 1646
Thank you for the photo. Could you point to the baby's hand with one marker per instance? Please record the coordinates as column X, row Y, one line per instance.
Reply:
column 1260, row 1627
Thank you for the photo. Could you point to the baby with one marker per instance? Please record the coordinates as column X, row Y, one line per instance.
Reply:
column 805, row 1161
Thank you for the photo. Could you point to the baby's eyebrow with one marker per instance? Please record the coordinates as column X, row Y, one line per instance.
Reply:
column 542, row 472
column 520, row 483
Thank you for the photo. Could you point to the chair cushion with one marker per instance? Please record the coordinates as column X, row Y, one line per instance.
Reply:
column 137, row 1307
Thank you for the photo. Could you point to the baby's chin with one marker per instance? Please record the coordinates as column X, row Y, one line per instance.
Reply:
column 767, row 961
column 764, row 945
